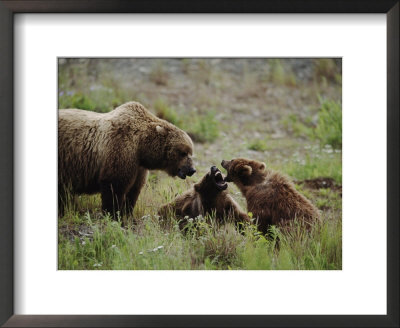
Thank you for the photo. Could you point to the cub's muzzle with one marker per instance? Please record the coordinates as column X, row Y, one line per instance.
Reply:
column 224, row 164
column 218, row 178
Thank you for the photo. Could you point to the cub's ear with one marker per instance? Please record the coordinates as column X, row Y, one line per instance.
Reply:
column 197, row 187
column 246, row 170
column 262, row 166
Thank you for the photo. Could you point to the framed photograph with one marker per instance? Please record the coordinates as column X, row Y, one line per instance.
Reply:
column 206, row 164
column 203, row 110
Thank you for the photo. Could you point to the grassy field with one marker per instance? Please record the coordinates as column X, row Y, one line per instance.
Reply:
column 285, row 112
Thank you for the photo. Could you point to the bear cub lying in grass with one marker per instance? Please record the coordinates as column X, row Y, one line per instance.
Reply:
column 270, row 196
column 208, row 196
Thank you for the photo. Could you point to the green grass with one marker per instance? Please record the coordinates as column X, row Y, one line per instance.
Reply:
column 99, row 100
column 327, row 130
column 76, row 100
column 297, row 127
column 298, row 249
column 162, row 110
column 278, row 75
column 90, row 241
column 203, row 128
column 258, row 145
column 321, row 164
column 152, row 244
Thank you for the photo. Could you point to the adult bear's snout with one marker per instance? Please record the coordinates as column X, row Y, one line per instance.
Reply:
column 191, row 171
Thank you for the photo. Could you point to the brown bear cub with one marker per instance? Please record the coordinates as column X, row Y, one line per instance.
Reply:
column 111, row 153
column 207, row 196
column 270, row 196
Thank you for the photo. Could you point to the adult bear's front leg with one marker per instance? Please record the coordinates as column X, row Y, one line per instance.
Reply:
column 134, row 192
column 113, row 199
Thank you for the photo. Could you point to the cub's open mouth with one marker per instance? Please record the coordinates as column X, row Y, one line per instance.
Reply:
column 219, row 179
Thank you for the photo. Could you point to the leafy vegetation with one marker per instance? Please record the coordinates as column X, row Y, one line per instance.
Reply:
column 167, row 113
column 279, row 75
column 328, row 129
column 299, row 129
column 258, row 145
column 77, row 100
column 203, row 128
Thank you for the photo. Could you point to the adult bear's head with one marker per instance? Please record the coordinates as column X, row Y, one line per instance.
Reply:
column 170, row 149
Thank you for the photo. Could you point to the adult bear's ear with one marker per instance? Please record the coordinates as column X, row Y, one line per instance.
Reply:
column 160, row 129
column 246, row 170
column 262, row 166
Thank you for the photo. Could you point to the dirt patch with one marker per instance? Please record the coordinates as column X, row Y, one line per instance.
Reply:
column 321, row 183
column 82, row 231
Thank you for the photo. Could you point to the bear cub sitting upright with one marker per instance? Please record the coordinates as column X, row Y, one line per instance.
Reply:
column 270, row 196
column 207, row 196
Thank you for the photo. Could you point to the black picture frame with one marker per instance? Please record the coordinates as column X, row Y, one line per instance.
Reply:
column 11, row 7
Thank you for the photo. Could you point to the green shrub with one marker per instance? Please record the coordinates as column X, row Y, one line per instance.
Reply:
column 167, row 113
column 258, row 145
column 297, row 127
column 76, row 100
column 329, row 128
column 279, row 75
column 203, row 128
column 100, row 99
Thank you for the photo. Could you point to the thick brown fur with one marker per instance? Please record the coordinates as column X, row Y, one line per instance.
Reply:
column 111, row 153
column 270, row 196
column 208, row 196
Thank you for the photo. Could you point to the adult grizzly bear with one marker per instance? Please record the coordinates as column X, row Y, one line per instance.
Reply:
column 270, row 196
column 111, row 153
column 207, row 196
